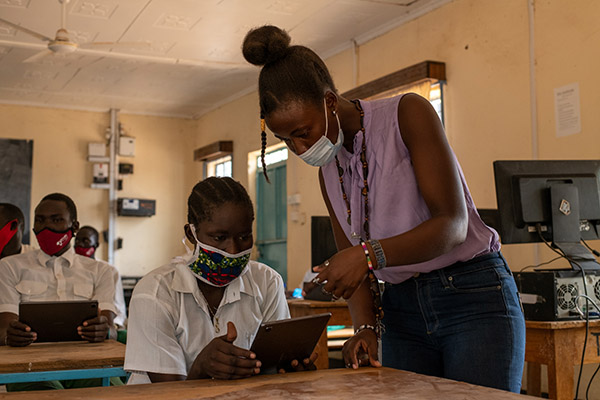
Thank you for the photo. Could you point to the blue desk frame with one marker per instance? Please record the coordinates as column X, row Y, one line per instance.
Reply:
column 39, row 376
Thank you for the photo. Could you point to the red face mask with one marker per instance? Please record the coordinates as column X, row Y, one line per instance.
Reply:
column 85, row 251
column 7, row 232
column 51, row 242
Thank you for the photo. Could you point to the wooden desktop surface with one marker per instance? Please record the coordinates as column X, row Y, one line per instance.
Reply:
column 365, row 383
column 61, row 356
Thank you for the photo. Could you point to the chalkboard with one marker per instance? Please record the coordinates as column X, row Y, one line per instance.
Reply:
column 15, row 177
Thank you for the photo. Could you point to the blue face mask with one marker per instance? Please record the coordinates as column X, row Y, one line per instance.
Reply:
column 323, row 151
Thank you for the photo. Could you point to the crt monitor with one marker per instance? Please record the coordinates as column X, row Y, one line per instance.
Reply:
column 549, row 200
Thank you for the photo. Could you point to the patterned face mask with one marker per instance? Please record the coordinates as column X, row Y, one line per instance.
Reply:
column 217, row 267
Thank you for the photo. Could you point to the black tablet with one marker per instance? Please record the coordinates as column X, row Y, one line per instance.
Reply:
column 277, row 343
column 57, row 321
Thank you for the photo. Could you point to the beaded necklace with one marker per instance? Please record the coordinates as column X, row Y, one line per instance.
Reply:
column 374, row 283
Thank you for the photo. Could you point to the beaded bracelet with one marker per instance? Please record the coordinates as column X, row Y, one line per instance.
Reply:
column 367, row 254
column 365, row 326
column 379, row 254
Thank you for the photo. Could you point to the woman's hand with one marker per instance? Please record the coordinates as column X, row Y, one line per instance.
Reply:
column 361, row 350
column 220, row 359
column 343, row 272
column 308, row 364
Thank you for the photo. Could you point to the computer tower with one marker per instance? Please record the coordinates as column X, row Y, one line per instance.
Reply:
column 550, row 295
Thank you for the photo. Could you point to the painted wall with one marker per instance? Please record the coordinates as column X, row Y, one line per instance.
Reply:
column 485, row 45
column 162, row 171
column 489, row 108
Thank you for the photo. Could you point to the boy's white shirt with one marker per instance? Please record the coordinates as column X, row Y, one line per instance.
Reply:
column 169, row 322
column 36, row 276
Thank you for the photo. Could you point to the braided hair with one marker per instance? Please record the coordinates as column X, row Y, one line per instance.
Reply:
column 289, row 73
column 213, row 192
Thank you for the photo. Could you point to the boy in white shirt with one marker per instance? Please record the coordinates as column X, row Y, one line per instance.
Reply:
column 87, row 241
column 53, row 273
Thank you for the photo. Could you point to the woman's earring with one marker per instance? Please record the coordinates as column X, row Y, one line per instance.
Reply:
column 333, row 112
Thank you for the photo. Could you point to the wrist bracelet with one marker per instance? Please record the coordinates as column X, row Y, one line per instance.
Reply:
column 366, row 250
column 365, row 326
column 379, row 254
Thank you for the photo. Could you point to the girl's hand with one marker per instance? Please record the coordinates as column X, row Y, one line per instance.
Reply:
column 308, row 364
column 361, row 350
column 220, row 359
column 343, row 272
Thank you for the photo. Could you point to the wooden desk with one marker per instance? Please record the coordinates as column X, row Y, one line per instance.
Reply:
column 64, row 360
column 559, row 345
column 365, row 383
column 340, row 315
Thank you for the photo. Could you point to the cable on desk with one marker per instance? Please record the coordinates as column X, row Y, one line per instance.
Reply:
column 594, row 251
column 540, row 264
column 587, row 390
column 538, row 227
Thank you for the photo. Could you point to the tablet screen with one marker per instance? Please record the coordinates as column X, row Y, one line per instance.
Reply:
column 277, row 343
column 57, row 321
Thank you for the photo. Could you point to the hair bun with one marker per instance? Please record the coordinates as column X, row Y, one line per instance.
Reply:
column 265, row 44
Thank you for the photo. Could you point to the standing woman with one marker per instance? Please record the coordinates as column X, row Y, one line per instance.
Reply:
column 401, row 213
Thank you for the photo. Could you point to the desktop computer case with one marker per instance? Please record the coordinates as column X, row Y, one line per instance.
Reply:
column 550, row 295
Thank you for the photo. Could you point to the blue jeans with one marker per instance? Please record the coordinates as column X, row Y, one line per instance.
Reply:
column 462, row 322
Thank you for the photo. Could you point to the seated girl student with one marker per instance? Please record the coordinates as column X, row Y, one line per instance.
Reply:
column 402, row 213
column 196, row 317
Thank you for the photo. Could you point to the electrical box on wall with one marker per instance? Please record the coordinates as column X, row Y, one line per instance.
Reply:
column 129, row 207
column 101, row 173
column 97, row 149
column 126, row 146
column 125, row 168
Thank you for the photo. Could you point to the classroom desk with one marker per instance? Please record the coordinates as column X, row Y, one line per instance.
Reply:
column 559, row 345
column 340, row 315
column 64, row 360
column 364, row 383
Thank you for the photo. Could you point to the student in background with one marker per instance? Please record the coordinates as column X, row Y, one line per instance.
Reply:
column 87, row 242
column 12, row 222
column 54, row 273
column 196, row 317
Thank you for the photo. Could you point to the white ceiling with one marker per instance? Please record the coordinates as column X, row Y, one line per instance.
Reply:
column 189, row 61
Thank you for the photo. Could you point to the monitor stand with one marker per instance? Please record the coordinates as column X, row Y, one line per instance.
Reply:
column 566, row 233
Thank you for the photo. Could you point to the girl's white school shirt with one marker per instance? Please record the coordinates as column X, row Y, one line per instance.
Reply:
column 169, row 322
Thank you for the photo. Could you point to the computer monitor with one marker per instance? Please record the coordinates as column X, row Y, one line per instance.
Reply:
column 557, row 201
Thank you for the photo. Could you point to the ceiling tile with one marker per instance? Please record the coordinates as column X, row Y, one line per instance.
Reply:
column 174, row 57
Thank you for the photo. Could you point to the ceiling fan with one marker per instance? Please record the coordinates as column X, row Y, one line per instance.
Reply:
column 62, row 44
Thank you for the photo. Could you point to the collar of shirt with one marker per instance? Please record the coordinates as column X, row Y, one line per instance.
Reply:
column 68, row 256
column 184, row 281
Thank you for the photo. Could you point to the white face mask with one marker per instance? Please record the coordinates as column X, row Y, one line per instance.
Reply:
column 323, row 151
